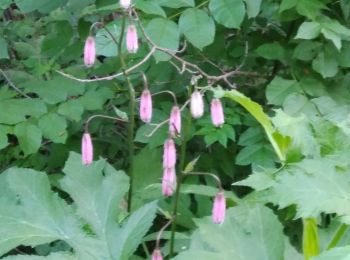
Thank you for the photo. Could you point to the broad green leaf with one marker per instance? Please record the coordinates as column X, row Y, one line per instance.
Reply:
column 229, row 13
column 4, row 130
column 314, row 186
column 150, row 7
column 310, row 238
column 287, row 4
column 338, row 253
column 258, row 154
column 334, row 31
column 193, row 23
column 258, row 180
column 310, row 8
column 253, row 7
column 105, row 44
column 308, row 30
column 97, row 190
column 72, row 109
column 164, row 33
column 13, row 111
column 130, row 236
column 325, row 64
column 29, row 137
column 53, row 256
column 257, row 112
column 40, row 217
column 245, row 227
column 176, row 3
column 53, row 127
column 3, row 49
column 271, row 51
column 345, row 6
column 306, row 50
column 43, row 6
column 93, row 99
column 279, row 89
column 300, row 131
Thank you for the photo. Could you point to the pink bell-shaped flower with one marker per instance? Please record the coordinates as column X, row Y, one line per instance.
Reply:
column 157, row 255
column 132, row 43
column 87, row 149
column 217, row 113
column 125, row 3
column 219, row 208
column 169, row 181
column 89, row 51
column 146, row 106
column 169, row 154
column 197, row 104
column 175, row 121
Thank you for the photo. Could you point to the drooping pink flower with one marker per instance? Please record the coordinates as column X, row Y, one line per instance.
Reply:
column 87, row 149
column 169, row 154
column 169, row 181
column 89, row 51
column 197, row 104
column 132, row 43
column 157, row 255
column 217, row 113
column 146, row 106
column 219, row 208
column 175, row 121
column 125, row 3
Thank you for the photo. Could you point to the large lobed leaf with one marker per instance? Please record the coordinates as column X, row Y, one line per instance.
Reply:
column 246, row 227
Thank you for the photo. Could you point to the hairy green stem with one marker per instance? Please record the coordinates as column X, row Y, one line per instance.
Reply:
column 338, row 235
column 187, row 126
column 131, row 114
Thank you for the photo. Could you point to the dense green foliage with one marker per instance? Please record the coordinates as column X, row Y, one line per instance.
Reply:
column 282, row 154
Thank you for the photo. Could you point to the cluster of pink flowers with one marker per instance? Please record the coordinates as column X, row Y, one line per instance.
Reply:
column 132, row 43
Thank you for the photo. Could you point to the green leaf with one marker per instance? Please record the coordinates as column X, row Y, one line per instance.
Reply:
column 311, row 245
column 325, row 64
column 93, row 189
column 271, row 51
column 38, row 217
column 176, row 3
column 339, row 253
column 308, row 30
column 53, row 256
column 253, row 7
column 257, row 112
column 279, row 89
column 310, row 8
column 245, row 227
column 193, row 22
column 72, row 109
column 29, row 137
column 4, row 130
column 53, row 127
column 299, row 129
column 130, row 236
column 258, row 154
column 3, row 49
column 164, row 33
column 150, row 7
column 229, row 13
column 43, row 6
column 306, row 50
column 13, row 111
column 315, row 186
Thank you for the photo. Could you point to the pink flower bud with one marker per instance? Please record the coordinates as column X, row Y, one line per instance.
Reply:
column 157, row 255
column 125, row 3
column 169, row 181
column 89, row 52
column 219, row 208
column 217, row 113
column 197, row 105
column 146, row 106
column 175, row 121
column 87, row 149
column 169, row 155
column 132, row 43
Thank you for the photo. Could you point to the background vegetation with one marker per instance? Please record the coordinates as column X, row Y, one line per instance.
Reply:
column 282, row 154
